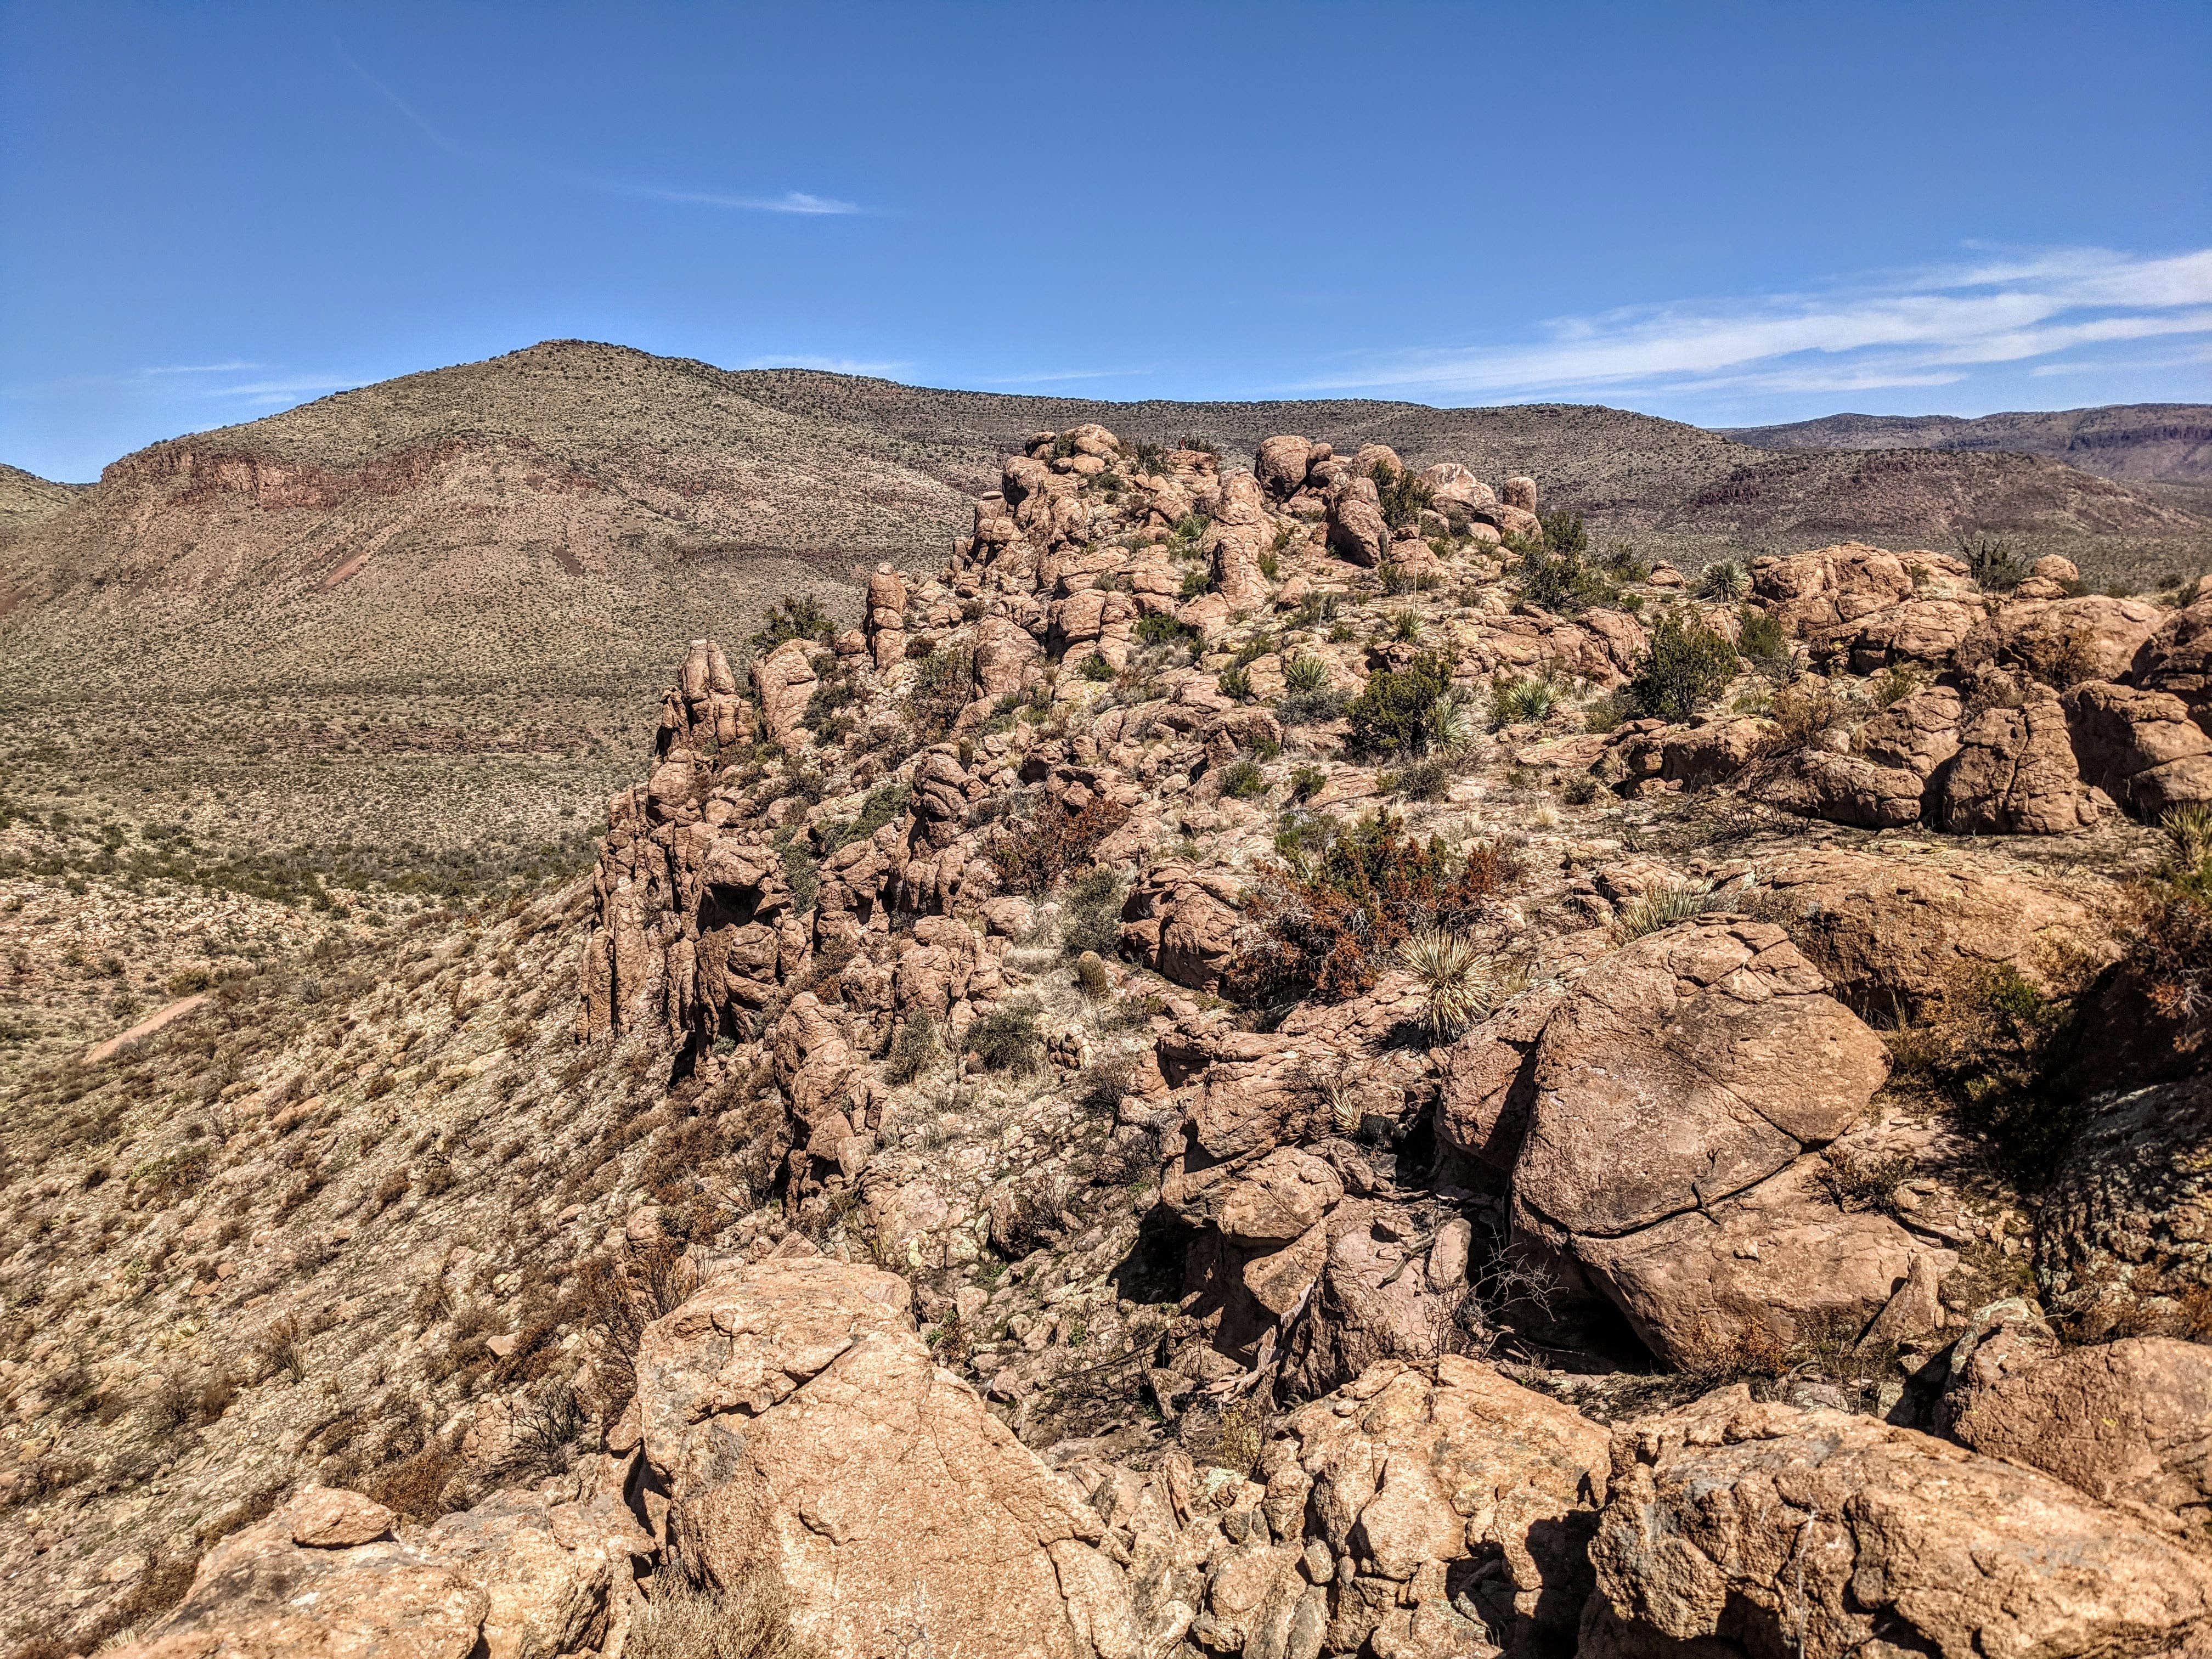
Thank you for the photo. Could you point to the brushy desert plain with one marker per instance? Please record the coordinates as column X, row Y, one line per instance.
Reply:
column 653, row 1012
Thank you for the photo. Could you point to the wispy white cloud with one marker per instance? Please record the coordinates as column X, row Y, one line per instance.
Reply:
column 828, row 365
column 199, row 368
column 1912, row 328
column 266, row 389
column 799, row 201
column 791, row 201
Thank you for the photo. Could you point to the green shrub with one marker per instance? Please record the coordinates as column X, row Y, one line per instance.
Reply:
column 1305, row 673
column 1993, row 561
column 1161, row 629
column 1090, row 916
column 1390, row 715
column 1426, row 779
column 1008, row 1039
column 1566, row 533
column 1403, row 494
column 914, row 1050
column 1405, row 627
column 1306, row 783
column 1761, row 637
column 803, row 616
column 801, row 874
column 1096, row 668
column 1662, row 907
column 1562, row 581
column 1235, row 683
column 1515, row 698
column 1685, row 666
column 943, row 681
column 1242, row 780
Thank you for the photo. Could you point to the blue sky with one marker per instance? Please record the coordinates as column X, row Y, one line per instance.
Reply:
column 1720, row 213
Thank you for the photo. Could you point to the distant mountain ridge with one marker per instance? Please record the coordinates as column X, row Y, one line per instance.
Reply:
column 574, row 506
column 2162, row 443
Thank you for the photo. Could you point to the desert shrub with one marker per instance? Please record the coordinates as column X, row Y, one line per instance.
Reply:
column 1988, row 1041
column 882, row 806
column 1403, row 494
column 1242, row 780
column 1091, row 914
column 1307, row 781
column 1893, row 686
column 1329, row 922
column 1099, row 1086
column 802, row 616
column 1517, row 697
column 1724, row 580
column 1802, row 712
column 1235, row 683
column 1761, row 637
column 1685, row 666
column 1428, row 779
column 1008, row 1038
column 1868, row 1182
column 1662, row 907
column 1562, row 581
column 943, row 682
column 1458, row 986
column 1580, row 790
column 1390, row 715
column 689, row 1620
column 2170, row 940
column 1452, row 720
column 914, row 1050
column 1994, row 563
column 1405, row 627
column 801, row 873
column 1311, row 707
column 1164, row 629
column 1096, row 668
column 1566, row 533
column 1304, row 674
column 1031, row 854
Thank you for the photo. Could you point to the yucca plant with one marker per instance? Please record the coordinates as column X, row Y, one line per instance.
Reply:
column 1521, row 697
column 1305, row 674
column 2190, row 827
column 1452, row 720
column 1724, row 580
column 1662, row 907
column 1459, row 981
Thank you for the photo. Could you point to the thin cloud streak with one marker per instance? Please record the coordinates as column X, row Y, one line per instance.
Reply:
column 797, row 202
column 1907, row 329
column 201, row 368
column 281, row 388
column 1071, row 375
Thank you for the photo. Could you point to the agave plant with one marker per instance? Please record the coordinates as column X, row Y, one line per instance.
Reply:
column 1452, row 720
column 1305, row 673
column 1459, row 981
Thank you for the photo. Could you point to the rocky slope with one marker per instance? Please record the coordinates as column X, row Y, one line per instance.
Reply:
column 2164, row 443
column 1273, row 1061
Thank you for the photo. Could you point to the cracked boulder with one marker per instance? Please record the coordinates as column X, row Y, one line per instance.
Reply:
column 1676, row 1095
column 1753, row 1528
column 798, row 1433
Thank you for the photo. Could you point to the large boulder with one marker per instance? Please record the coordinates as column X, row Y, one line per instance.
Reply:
column 1181, row 923
column 1892, row 932
column 2014, row 773
column 1778, row 1530
column 783, row 683
column 325, row 1577
column 1823, row 594
column 1356, row 529
column 805, row 1438
column 2126, row 1231
column 2063, row 642
column 2177, row 659
column 2140, row 747
column 1241, row 534
column 1819, row 783
column 1280, row 465
column 1676, row 1094
column 1450, row 1508
column 2129, row 1422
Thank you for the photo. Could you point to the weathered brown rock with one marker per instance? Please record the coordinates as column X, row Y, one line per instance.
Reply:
column 1181, row 923
column 1891, row 933
column 2129, row 1422
column 2015, row 774
column 2127, row 1229
column 2142, row 748
column 1519, row 491
column 1241, row 531
column 783, row 682
column 2177, row 659
column 1819, row 783
column 1783, row 1530
column 1828, row 589
column 1917, row 733
column 2063, row 642
column 1452, row 1508
column 805, row 1438
column 1356, row 529
column 1280, row 466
